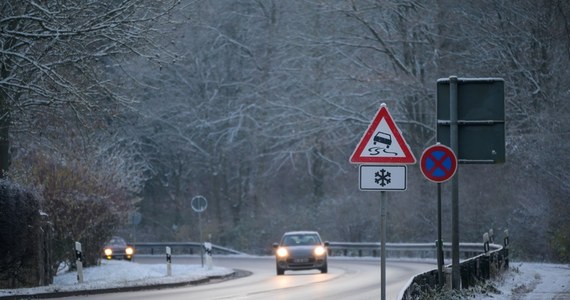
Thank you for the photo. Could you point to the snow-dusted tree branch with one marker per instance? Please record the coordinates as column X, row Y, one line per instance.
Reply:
column 56, row 54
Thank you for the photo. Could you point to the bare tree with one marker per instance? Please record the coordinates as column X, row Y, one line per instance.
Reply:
column 55, row 54
column 268, row 98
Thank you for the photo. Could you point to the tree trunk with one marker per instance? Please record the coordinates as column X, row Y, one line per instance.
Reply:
column 4, row 135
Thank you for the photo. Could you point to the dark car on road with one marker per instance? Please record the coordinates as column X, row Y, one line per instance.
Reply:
column 301, row 250
column 117, row 248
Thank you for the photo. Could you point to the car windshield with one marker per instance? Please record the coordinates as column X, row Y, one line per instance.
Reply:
column 117, row 242
column 301, row 240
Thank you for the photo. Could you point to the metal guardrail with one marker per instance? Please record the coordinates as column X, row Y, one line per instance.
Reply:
column 404, row 249
column 179, row 248
column 421, row 250
column 474, row 270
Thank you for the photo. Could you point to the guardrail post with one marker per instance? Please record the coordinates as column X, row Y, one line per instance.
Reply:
column 485, row 261
column 168, row 261
column 464, row 271
column 208, row 250
column 486, row 243
column 485, row 270
column 79, row 261
column 448, row 280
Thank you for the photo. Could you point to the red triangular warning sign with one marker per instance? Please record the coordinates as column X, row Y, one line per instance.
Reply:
column 382, row 143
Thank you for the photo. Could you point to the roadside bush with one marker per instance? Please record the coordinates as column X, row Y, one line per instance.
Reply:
column 82, row 206
column 24, row 239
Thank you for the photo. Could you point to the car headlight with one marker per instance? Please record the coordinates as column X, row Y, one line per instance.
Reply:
column 320, row 250
column 108, row 251
column 129, row 251
column 282, row 252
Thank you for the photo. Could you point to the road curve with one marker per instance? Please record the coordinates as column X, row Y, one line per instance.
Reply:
column 347, row 279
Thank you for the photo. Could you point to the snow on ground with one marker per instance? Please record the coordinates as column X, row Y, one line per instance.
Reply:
column 524, row 281
column 531, row 281
column 116, row 273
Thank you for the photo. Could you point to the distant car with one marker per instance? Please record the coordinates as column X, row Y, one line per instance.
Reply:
column 301, row 250
column 117, row 248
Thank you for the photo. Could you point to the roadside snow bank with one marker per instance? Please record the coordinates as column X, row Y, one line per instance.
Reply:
column 531, row 281
column 121, row 274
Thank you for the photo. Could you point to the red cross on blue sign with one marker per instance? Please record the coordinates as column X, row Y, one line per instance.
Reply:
column 438, row 163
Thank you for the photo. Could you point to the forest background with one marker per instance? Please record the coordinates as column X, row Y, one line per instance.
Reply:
column 112, row 107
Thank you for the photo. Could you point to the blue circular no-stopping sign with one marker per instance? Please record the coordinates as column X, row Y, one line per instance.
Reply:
column 438, row 163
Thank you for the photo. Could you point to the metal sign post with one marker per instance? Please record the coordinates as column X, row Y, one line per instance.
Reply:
column 199, row 205
column 382, row 178
column 201, row 239
column 135, row 219
column 439, row 254
column 383, row 245
column 453, row 137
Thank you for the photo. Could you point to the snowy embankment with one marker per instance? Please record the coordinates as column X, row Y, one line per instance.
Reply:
column 531, row 281
column 122, row 274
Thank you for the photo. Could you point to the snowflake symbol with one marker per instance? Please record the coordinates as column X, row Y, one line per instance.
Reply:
column 382, row 177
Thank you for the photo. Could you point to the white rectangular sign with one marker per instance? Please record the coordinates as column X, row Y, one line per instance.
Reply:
column 382, row 178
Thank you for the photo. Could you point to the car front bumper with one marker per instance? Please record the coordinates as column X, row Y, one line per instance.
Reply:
column 301, row 263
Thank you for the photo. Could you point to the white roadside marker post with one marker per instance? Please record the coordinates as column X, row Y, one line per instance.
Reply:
column 168, row 261
column 79, row 262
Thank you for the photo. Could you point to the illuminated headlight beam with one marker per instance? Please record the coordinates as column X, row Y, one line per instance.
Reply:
column 320, row 250
column 282, row 252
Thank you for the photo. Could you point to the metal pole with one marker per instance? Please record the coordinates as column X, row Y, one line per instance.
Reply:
column 134, row 238
column 439, row 241
column 454, row 141
column 383, row 245
column 201, row 241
